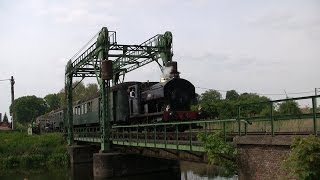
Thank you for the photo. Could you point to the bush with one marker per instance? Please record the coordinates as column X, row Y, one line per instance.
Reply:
column 304, row 159
column 20, row 127
column 58, row 160
column 31, row 161
column 9, row 162
column 18, row 150
column 219, row 152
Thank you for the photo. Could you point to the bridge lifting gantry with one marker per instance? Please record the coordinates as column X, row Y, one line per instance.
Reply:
column 92, row 62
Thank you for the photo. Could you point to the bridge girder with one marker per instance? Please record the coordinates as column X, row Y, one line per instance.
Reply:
column 125, row 58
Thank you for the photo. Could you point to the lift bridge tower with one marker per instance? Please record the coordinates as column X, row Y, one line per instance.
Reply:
column 109, row 61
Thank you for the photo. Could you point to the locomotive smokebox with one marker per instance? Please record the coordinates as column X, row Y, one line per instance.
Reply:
column 106, row 69
column 174, row 68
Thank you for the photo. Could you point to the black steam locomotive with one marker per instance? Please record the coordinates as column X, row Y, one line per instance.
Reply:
column 134, row 103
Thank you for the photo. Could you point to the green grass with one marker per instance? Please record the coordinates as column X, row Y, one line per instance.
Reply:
column 20, row 151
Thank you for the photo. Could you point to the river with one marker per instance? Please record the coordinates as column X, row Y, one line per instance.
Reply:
column 188, row 171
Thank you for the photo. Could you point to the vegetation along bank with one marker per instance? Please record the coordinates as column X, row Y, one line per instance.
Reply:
column 18, row 151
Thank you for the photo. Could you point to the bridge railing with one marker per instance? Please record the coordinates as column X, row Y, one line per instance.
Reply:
column 184, row 135
column 274, row 122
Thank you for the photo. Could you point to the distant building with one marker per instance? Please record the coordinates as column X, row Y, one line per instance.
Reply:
column 4, row 125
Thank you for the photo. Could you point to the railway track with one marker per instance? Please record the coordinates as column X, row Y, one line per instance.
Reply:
column 181, row 137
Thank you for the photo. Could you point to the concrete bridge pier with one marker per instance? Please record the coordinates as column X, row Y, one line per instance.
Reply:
column 82, row 153
column 114, row 164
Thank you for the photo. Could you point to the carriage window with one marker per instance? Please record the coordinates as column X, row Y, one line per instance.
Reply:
column 79, row 110
column 90, row 106
column 85, row 108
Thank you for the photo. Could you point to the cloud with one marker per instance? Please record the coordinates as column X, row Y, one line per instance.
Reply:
column 275, row 21
column 75, row 12
column 308, row 22
column 228, row 62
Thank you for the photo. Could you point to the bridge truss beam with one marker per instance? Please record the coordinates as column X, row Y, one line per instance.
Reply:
column 125, row 58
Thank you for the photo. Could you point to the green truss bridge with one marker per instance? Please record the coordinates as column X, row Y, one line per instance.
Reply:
column 183, row 135
column 104, row 49
column 109, row 62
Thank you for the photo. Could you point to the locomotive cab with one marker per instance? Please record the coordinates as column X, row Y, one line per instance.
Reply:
column 134, row 99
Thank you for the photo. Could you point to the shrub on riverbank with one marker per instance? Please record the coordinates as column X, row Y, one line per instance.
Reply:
column 304, row 159
column 220, row 153
column 18, row 150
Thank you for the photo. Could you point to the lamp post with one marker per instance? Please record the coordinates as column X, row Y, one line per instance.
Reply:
column 12, row 82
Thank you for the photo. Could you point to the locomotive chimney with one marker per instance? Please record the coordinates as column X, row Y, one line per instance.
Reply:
column 174, row 69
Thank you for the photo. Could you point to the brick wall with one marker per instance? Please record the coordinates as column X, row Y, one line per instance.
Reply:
column 261, row 157
column 262, row 161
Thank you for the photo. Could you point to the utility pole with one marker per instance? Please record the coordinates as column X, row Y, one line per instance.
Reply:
column 12, row 99
column 12, row 96
column 316, row 93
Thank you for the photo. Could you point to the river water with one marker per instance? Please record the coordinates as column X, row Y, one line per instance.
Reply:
column 188, row 171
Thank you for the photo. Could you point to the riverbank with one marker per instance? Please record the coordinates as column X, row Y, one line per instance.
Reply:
column 21, row 152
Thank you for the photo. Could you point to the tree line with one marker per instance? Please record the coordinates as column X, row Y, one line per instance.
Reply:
column 251, row 104
column 27, row 108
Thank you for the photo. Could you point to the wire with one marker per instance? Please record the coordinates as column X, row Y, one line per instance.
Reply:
column 262, row 94
column 212, row 89
column 306, row 92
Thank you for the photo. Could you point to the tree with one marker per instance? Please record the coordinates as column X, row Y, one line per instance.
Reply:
column 80, row 92
column 209, row 101
column 62, row 98
column 53, row 101
column 252, row 104
column 210, row 95
column 227, row 109
column 91, row 90
column 5, row 118
column 27, row 108
column 232, row 95
column 289, row 107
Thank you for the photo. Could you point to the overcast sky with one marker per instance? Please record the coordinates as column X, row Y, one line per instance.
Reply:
column 250, row 46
